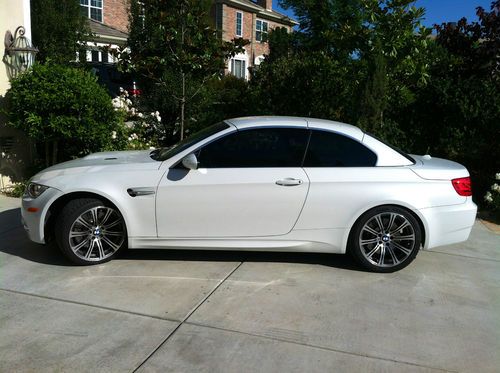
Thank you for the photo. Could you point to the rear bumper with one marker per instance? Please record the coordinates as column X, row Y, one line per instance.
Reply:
column 447, row 225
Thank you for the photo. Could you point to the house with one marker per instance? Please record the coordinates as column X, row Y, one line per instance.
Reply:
column 247, row 19
column 250, row 20
column 108, row 21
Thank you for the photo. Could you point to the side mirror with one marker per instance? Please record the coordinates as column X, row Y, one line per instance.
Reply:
column 190, row 162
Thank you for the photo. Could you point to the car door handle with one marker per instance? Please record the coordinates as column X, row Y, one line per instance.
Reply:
column 289, row 182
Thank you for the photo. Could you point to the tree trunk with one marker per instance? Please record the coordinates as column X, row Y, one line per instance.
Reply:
column 183, row 104
column 54, row 152
column 47, row 154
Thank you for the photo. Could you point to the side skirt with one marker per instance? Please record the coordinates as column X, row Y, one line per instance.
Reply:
column 320, row 241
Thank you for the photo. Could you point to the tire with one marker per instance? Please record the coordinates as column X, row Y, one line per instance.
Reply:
column 89, row 231
column 385, row 239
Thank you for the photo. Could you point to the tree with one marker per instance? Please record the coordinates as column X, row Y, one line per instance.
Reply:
column 331, row 26
column 476, row 44
column 58, row 29
column 56, row 104
column 175, row 48
column 457, row 115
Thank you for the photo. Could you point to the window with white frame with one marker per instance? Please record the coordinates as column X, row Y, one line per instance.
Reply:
column 92, row 9
column 239, row 68
column 261, row 29
column 239, row 24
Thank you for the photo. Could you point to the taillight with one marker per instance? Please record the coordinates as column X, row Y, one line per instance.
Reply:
column 462, row 186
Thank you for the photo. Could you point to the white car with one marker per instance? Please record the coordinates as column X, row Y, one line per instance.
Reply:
column 263, row 183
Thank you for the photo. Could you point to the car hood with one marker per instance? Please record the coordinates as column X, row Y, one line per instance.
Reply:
column 100, row 162
column 106, row 159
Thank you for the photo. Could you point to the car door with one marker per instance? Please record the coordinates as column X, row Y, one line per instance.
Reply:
column 249, row 183
column 345, row 180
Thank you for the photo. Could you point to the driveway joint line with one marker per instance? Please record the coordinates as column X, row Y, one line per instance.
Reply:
column 169, row 335
column 460, row 255
column 46, row 297
column 318, row 347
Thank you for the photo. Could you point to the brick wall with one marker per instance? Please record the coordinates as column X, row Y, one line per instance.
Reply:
column 255, row 48
column 115, row 14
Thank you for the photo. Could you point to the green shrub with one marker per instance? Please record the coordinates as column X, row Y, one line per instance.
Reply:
column 64, row 110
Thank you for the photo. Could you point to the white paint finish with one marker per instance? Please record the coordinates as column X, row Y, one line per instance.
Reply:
column 438, row 169
column 249, row 122
column 448, row 224
column 244, row 208
column 338, row 196
column 342, row 128
column 386, row 156
column 229, row 202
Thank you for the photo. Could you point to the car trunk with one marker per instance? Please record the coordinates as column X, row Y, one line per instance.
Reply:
column 437, row 169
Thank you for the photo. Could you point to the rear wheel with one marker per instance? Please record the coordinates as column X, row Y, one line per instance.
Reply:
column 386, row 239
column 89, row 231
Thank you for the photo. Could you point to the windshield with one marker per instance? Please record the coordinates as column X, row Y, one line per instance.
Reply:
column 166, row 153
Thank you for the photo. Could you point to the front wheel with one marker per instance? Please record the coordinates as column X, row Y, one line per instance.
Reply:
column 90, row 232
column 385, row 239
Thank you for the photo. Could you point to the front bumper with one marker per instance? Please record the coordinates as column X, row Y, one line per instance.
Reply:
column 448, row 225
column 34, row 213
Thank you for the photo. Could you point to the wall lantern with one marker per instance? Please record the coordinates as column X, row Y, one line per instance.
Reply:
column 19, row 53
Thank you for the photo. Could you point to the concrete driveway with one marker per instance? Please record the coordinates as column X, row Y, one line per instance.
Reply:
column 182, row 311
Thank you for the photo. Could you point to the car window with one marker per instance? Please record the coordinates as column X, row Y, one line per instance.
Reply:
column 328, row 149
column 264, row 147
column 166, row 153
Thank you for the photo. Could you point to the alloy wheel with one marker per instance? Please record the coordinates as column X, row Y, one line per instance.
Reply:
column 387, row 239
column 97, row 234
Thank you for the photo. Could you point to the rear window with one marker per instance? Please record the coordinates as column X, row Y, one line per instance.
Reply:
column 329, row 149
column 396, row 149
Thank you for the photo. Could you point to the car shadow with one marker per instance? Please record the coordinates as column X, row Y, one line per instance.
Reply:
column 14, row 241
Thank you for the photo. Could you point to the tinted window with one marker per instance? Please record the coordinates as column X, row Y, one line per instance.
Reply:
column 167, row 153
column 269, row 147
column 328, row 149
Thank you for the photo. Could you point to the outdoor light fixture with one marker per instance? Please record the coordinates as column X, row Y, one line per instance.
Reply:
column 19, row 53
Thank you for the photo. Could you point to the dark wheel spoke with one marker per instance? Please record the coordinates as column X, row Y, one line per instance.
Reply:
column 111, row 244
column 106, row 216
column 370, row 230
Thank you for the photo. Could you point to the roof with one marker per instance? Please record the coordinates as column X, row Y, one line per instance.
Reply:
column 263, row 12
column 279, row 121
column 107, row 33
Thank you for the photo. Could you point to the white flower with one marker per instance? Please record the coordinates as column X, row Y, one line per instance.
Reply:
column 495, row 187
column 497, row 176
column 117, row 103
column 113, row 135
column 488, row 197
column 3, row 154
column 129, row 138
column 151, row 148
column 140, row 115
column 122, row 90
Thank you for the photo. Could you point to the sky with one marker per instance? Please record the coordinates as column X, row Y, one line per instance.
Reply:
column 438, row 11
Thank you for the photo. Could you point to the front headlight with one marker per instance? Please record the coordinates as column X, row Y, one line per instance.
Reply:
column 34, row 190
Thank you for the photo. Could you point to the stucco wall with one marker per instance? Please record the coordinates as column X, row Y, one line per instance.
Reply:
column 14, row 147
